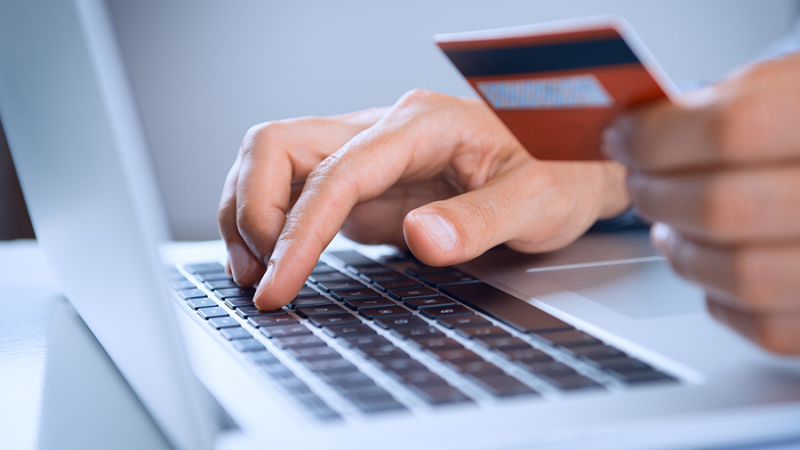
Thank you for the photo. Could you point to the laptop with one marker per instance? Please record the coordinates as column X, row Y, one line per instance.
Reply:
column 599, row 345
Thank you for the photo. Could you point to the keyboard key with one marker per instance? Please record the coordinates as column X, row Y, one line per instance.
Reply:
column 354, row 293
column 329, row 276
column 204, row 267
column 271, row 321
column 350, row 381
column 249, row 311
column 186, row 294
column 357, row 329
column 596, row 352
column 294, row 386
column 307, row 291
column 211, row 312
column 308, row 311
column 441, row 395
column 457, row 357
column 504, row 343
column 446, row 311
column 336, row 319
column 383, row 353
column 440, row 279
column 374, row 399
column 313, row 353
column 213, row 276
column 479, row 369
column 183, row 283
column 428, row 302
column 237, row 302
column 248, row 345
column 276, row 371
column 464, row 321
column 550, row 369
column 385, row 276
column 504, row 386
column 483, row 332
column 323, row 268
column 401, row 366
column 645, row 376
column 364, row 341
column 571, row 338
column 421, row 269
column 319, row 409
column 285, row 330
column 235, row 292
column 573, row 383
column 368, row 303
column 261, row 357
column 422, row 379
column 418, row 333
column 369, row 269
column 201, row 303
column 526, row 355
column 398, row 284
column 504, row 307
column 436, row 344
column 352, row 258
column 303, row 341
column 235, row 333
column 344, row 284
column 395, row 323
column 386, row 311
column 223, row 322
column 314, row 300
column 621, row 365
column 330, row 366
column 220, row 284
column 403, row 294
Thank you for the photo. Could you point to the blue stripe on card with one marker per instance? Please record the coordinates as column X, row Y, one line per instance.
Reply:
column 542, row 58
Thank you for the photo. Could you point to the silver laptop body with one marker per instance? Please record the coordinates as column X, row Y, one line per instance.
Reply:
column 80, row 153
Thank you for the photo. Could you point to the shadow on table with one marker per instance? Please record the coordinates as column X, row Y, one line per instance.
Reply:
column 86, row 403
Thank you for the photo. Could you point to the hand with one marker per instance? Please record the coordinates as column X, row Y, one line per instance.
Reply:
column 438, row 173
column 720, row 172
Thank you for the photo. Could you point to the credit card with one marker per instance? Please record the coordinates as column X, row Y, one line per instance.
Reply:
column 556, row 86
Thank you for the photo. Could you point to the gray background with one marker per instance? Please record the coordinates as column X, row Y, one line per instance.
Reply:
column 204, row 72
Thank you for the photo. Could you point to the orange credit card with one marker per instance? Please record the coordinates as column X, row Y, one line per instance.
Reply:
column 557, row 86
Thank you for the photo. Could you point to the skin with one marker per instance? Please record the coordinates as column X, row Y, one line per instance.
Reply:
column 719, row 173
column 437, row 174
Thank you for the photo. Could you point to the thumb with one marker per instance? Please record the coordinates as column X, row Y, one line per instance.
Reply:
column 534, row 208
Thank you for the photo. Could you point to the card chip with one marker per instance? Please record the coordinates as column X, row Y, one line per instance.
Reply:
column 577, row 91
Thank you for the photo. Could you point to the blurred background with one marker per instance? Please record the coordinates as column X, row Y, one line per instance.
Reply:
column 204, row 72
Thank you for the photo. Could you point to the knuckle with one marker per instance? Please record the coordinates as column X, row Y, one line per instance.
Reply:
column 752, row 278
column 740, row 125
column 264, row 135
column 417, row 97
column 727, row 207
column 770, row 333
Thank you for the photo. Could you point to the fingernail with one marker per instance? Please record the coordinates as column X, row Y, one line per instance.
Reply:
column 659, row 235
column 265, row 281
column 240, row 260
column 613, row 142
column 440, row 230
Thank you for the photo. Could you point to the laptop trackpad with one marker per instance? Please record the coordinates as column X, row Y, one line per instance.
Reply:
column 639, row 290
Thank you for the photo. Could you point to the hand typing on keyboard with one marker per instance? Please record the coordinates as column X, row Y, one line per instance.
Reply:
column 720, row 172
column 439, row 174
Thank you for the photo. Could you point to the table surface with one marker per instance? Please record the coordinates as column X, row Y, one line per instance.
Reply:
column 30, row 295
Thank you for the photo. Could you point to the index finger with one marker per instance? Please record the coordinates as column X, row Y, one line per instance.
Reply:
column 363, row 169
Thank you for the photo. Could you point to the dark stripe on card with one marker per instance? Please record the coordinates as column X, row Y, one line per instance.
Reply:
column 542, row 58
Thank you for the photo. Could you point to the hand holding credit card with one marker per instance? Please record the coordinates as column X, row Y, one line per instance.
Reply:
column 557, row 86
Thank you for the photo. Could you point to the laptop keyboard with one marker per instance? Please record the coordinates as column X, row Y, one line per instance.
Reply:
column 371, row 337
